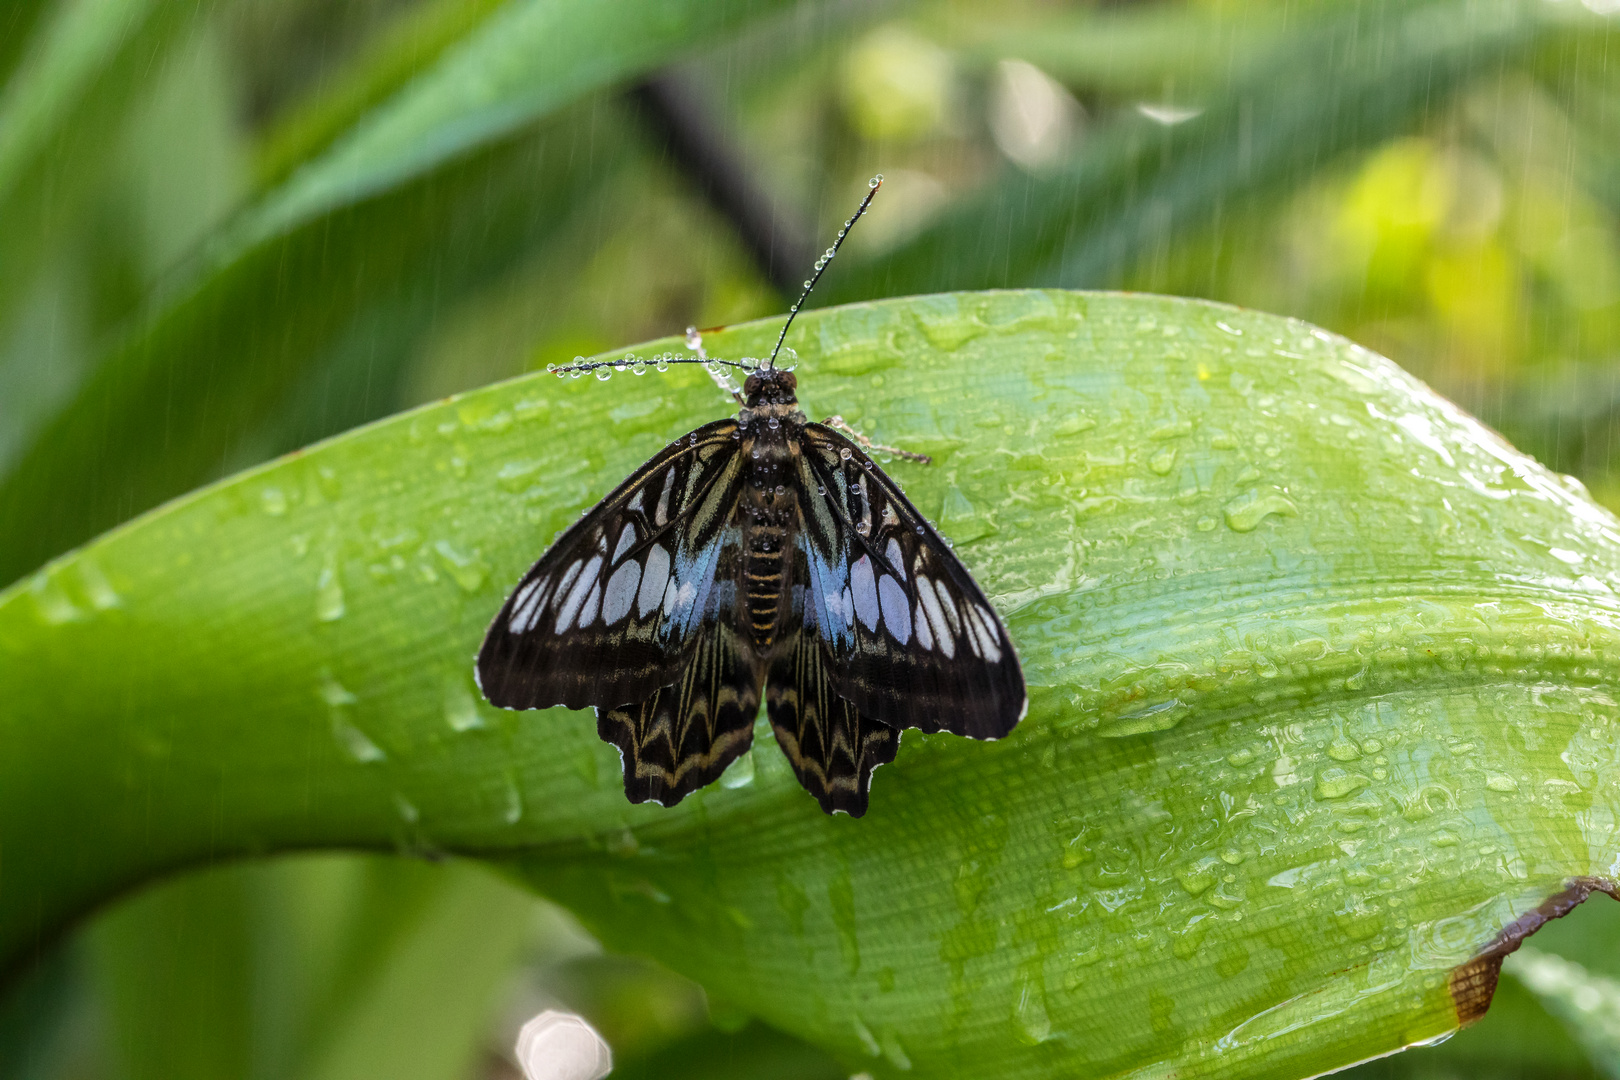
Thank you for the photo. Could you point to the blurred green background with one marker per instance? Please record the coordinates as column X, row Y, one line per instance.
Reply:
column 228, row 229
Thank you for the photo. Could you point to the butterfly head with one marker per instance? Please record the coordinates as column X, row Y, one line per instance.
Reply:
column 770, row 386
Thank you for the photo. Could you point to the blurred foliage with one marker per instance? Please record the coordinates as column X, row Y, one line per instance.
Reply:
column 235, row 227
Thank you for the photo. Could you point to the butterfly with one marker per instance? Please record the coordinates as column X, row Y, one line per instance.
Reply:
column 759, row 557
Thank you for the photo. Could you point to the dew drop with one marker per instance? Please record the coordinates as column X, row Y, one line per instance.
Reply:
column 844, row 453
column 355, row 742
column 514, row 803
column 875, row 181
column 273, row 501
column 468, row 571
column 1030, row 1018
column 97, row 589
column 739, row 773
column 1247, row 511
column 329, row 603
column 51, row 604
column 576, row 374
column 604, row 373
column 663, row 362
column 460, row 709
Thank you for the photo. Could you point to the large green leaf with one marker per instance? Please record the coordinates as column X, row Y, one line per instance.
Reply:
column 1319, row 676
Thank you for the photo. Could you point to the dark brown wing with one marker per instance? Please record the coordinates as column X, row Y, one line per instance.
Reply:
column 832, row 748
column 683, row 736
column 909, row 638
column 610, row 613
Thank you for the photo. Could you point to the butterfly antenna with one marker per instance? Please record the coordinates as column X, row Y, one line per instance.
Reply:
column 821, row 265
column 632, row 362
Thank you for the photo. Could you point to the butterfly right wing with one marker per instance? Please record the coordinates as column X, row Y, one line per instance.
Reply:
column 831, row 746
column 908, row 636
column 610, row 613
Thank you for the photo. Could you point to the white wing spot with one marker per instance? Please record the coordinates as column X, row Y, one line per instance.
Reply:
column 566, row 582
column 847, row 605
column 661, row 515
column 635, row 503
column 576, row 596
column 526, row 606
column 679, row 598
column 862, row 584
column 524, row 593
column 925, row 636
column 621, row 592
column 896, row 560
column 587, row 614
column 990, row 639
column 653, row 580
column 896, row 609
column 936, row 617
column 949, row 605
column 626, row 539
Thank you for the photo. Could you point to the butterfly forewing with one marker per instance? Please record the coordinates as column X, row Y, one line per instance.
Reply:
column 613, row 611
column 910, row 639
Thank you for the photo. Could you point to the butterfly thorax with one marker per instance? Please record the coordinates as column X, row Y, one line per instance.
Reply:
column 768, row 512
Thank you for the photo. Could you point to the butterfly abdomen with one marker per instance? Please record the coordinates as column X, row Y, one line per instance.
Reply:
column 768, row 516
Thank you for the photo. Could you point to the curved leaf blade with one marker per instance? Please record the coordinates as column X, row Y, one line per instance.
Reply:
column 1320, row 672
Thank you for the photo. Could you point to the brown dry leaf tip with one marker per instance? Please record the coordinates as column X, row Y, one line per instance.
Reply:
column 1473, row 984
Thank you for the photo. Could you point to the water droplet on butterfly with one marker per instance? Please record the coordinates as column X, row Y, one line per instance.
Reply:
column 844, row 453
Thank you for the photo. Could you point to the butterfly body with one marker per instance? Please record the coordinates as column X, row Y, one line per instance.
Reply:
column 771, row 426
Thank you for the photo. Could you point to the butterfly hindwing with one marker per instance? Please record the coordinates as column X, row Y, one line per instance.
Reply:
column 613, row 609
column 831, row 746
column 910, row 638
column 683, row 736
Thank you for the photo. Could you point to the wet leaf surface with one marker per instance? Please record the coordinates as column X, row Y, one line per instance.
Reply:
column 1321, row 677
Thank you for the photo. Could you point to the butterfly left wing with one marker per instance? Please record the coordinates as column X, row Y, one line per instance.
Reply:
column 909, row 637
column 612, row 610
column 684, row 735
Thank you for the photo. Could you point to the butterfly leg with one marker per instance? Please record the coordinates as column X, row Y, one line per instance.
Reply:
column 838, row 423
